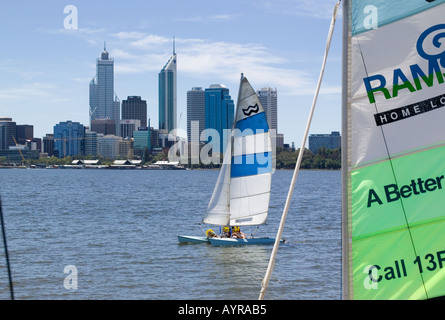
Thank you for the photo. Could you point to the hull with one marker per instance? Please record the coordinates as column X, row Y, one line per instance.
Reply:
column 192, row 239
column 241, row 242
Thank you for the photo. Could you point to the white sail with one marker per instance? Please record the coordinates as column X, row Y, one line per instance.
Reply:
column 242, row 192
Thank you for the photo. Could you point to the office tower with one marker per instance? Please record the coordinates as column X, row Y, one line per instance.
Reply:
column 269, row 100
column 128, row 126
column 329, row 141
column 107, row 145
column 142, row 141
column 104, row 103
column 167, row 95
column 104, row 126
column 125, row 148
column 7, row 133
column 90, row 143
column 69, row 139
column 48, row 144
column 219, row 112
column 196, row 111
column 24, row 132
column 135, row 108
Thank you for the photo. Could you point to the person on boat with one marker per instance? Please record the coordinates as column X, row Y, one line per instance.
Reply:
column 211, row 234
column 236, row 233
column 226, row 232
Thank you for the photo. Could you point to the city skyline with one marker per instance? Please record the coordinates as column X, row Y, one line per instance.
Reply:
column 214, row 47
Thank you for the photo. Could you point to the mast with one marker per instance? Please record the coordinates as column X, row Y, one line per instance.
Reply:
column 270, row 267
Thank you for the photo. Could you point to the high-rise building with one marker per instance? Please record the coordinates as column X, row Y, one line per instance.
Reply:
column 104, row 126
column 269, row 100
column 90, row 143
column 196, row 111
column 24, row 132
column 7, row 133
column 135, row 108
column 104, row 103
column 48, row 144
column 219, row 112
column 107, row 145
column 167, row 95
column 142, row 141
column 128, row 126
column 69, row 139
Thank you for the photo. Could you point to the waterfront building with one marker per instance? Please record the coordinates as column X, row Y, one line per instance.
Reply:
column 107, row 145
column 7, row 133
column 329, row 141
column 90, row 143
column 69, row 139
column 141, row 141
column 219, row 112
column 167, row 95
column 125, row 148
column 135, row 108
column 196, row 112
column 104, row 103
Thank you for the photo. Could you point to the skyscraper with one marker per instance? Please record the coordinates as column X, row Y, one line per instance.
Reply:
column 135, row 108
column 104, row 103
column 167, row 95
column 219, row 111
column 269, row 100
column 196, row 111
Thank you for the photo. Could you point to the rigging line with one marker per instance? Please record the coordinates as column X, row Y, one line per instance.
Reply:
column 11, row 290
column 392, row 168
column 271, row 264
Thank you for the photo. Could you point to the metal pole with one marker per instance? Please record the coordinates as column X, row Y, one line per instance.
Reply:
column 6, row 252
column 269, row 270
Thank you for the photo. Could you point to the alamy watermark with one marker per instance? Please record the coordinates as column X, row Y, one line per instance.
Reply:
column 70, row 281
column 71, row 21
column 208, row 147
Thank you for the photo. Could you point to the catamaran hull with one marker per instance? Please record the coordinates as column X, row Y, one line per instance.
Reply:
column 240, row 242
column 192, row 239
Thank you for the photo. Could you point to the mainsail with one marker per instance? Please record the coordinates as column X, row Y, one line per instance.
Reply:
column 242, row 192
column 393, row 149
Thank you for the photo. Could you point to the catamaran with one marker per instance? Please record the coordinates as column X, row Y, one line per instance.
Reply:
column 242, row 191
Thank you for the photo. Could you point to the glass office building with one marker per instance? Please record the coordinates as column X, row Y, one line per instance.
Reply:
column 69, row 139
column 219, row 111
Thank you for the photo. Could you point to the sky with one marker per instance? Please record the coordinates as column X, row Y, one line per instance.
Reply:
column 47, row 62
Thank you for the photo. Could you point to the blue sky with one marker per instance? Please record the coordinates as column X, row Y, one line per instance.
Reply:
column 46, row 69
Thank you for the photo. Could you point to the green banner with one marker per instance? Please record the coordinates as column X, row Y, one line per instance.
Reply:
column 398, row 223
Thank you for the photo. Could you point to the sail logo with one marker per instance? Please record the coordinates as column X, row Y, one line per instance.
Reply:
column 251, row 109
column 434, row 54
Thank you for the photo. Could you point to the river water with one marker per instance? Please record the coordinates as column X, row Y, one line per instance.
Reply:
column 112, row 234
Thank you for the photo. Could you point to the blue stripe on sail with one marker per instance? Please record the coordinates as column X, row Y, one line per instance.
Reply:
column 251, row 125
column 251, row 164
column 387, row 11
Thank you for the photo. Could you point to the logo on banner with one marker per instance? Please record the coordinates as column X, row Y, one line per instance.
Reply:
column 435, row 55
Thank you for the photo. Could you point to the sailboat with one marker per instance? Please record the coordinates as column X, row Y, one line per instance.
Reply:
column 393, row 144
column 242, row 191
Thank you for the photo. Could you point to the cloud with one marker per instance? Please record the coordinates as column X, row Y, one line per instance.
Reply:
column 215, row 61
column 31, row 92
column 321, row 10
